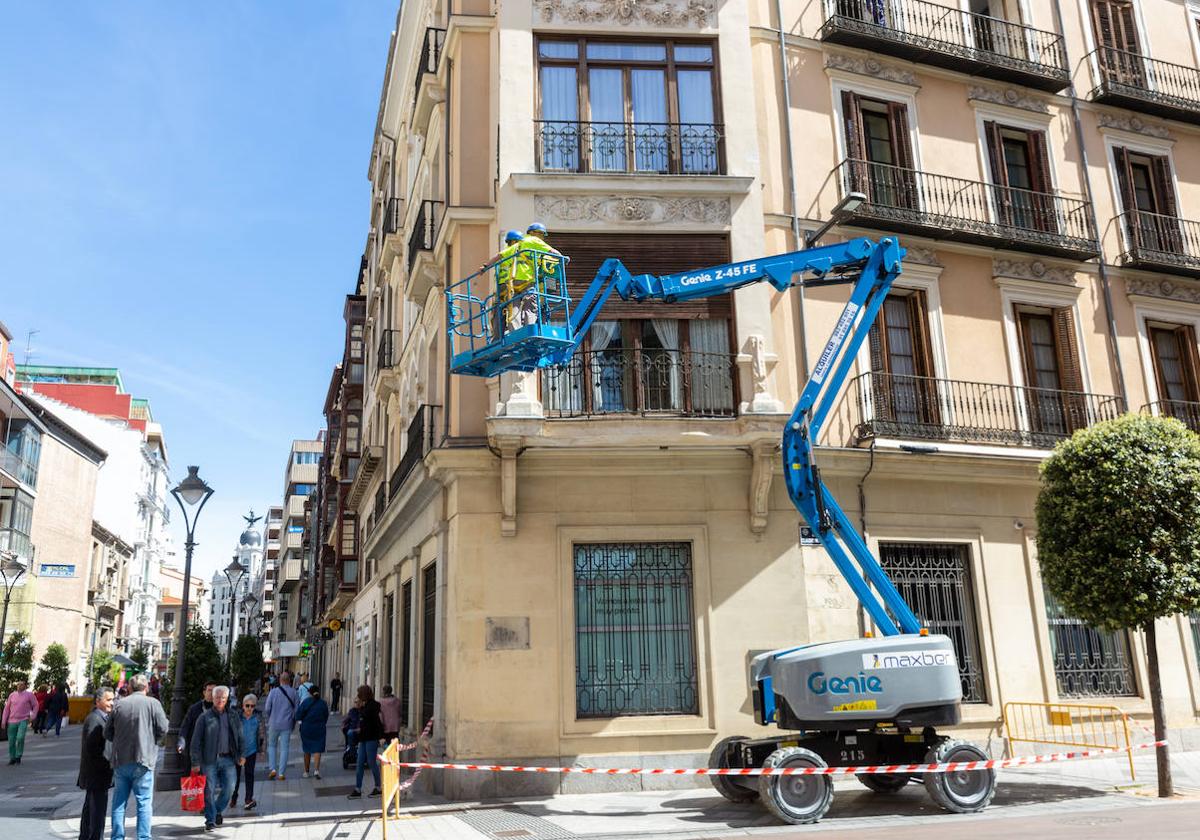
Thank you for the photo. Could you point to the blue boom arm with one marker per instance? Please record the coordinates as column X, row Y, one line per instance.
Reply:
column 870, row 266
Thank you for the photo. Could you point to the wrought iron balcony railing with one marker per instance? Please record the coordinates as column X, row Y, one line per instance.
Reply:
column 1157, row 241
column 1185, row 412
column 1146, row 84
column 924, row 408
column 648, row 382
column 388, row 355
column 393, row 216
column 425, row 229
column 946, row 36
column 653, row 148
column 419, row 440
column 910, row 201
column 431, row 56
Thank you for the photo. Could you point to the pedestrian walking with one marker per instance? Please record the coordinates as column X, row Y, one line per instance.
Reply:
column 95, row 773
column 155, row 687
column 303, row 686
column 254, row 739
column 189, row 720
column 335, row 692
column 56, row 710
column 39, row 723
column 280, row 709
column 369, row 733
column 313, row 716
column 389, row 707
column 217, row 748
column 134, row 727
column 20, row 710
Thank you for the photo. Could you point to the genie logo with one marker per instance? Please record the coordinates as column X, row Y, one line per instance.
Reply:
column 862, row 684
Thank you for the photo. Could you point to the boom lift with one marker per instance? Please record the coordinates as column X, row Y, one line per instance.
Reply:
column 872, row 701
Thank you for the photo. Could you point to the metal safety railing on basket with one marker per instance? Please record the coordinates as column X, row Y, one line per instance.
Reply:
column 1068, row 724
column 484, row 307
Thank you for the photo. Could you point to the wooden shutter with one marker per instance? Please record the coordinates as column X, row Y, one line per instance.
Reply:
column 853, row 127
column 1164, row 188
column 646, row 253
column 995, row 147
column 922, row 340
column 901, row 140
column 1124, row 178
column 1070, row 366
column 1114, row 24
column 1039, row 156
column 1191, row 361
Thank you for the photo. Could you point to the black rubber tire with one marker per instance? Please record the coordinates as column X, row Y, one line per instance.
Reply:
column 724, row 785
column 797, row 800
column 882, row 782
column 962, row 792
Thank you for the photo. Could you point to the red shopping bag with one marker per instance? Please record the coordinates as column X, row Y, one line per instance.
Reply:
column 191, row 792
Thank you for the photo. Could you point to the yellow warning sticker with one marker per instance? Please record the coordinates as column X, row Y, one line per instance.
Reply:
column 856, row 706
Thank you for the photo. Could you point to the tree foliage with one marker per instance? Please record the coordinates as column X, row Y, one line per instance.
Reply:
column 201, row 662
column 1117, row 514
column 246, row 667
column 100, row 670
column 141, row 656
column 55, row 668
column 17, row 662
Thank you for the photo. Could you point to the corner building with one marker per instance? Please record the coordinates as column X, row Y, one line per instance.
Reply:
column 575, row 564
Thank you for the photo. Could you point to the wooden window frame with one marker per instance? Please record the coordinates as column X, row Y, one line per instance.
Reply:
column 1185, row 336
column 885, row 389
column 885, row 184
column 1071, row 391
column 670, row 65
column 1033, row 208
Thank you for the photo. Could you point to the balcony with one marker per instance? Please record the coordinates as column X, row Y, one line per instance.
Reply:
column 387, row 360
column 670, row 383
column 639, row 148
column 1160, row 243
column 17, row 542
column 1187, row 413
column 290, row 577
column 955, row 209
column 372, row 456
column 419, row 440
column 923, row 408
column 1133, row 81
column 424, row 232
column 949, row 37
column 393, row 222
column 18, row 468
column 426, row 89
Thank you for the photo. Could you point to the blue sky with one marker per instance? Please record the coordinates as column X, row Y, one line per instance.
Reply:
column 184, row 196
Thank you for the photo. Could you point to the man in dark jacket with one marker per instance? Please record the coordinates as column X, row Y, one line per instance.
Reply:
column 193, row 714
column 95, row 773
column 217, row 748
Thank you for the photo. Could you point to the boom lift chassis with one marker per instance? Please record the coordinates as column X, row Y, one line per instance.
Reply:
column 873, row 701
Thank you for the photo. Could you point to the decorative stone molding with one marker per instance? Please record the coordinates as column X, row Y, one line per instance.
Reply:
column 922, row 256
column 1161, row 287
column 870, row 66
column 1033, row 270
column 633, row 209
column 668, row 13
column 762, row 470
column 1134, row 124
column 1010, row 96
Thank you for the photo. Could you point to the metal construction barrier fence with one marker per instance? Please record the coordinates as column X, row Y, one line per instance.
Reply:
column 389, row 772
column 1069, row 724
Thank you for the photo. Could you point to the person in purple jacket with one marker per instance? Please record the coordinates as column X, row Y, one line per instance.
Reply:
column 20, row 708
column 280, row 709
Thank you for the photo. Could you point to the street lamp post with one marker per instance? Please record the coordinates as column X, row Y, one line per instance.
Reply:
column 191, row 494
column 234, row 573
column 99, row 602
column 249, row 608
column 9, row 565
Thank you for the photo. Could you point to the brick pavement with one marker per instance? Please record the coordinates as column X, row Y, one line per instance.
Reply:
column 38, row 799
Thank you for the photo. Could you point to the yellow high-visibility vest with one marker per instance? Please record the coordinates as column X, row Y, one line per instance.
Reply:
column 525, row 272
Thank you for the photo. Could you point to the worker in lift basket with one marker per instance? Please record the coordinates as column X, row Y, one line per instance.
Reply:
column 505, row 262
column 536, row 261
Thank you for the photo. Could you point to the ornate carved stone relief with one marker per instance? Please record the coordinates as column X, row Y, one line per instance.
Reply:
column 1134, row 124
column 1161, row 287
column 1011, row 96
column 1033, row 270
column 670, row 13
column 633, row 209
column 869, row 66
column 922, row 256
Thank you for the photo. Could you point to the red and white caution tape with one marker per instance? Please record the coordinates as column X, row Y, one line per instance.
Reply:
column 410, row 781
column 947, row 767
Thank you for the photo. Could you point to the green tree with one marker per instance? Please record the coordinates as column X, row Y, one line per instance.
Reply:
column 17, row 662
column 56, row 666
column 141, row 656
column 1117, row 538
column 100, row 669
column 201, row 662
column 247, row 664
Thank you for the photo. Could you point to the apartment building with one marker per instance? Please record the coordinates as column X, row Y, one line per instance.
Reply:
column 577, row 562
column 263, row 586
column 290, row 617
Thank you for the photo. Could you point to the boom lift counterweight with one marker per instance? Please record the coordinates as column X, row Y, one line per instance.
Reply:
column 864, row 701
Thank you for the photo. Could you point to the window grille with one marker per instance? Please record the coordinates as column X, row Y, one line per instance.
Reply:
column 635, row 645
column 428, row 635
column 1088, row 662
column 935, row 580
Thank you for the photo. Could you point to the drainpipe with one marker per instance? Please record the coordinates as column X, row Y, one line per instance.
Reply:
column 790, row 157
column 1110, row 320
